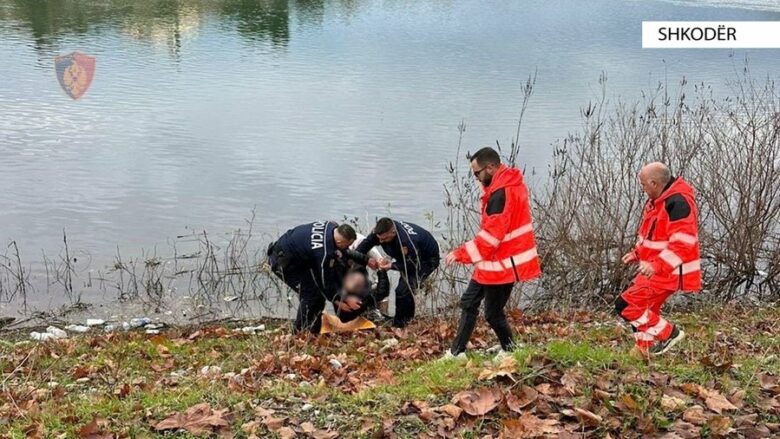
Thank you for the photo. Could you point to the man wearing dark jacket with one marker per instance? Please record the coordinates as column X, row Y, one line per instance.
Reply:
column 312, row 259
column 416, row 255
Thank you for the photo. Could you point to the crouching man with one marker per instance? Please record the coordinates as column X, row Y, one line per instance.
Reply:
column 667, row 258
column 416, row 255
column 311, row 260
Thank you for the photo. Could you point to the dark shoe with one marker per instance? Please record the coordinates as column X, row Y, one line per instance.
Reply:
column 660, row 348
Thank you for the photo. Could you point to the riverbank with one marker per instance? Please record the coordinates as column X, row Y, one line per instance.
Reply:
column 573, row 377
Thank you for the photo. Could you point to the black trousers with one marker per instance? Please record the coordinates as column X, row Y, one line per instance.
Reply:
column 310, row 297
column 496, row 297
column 404, row 292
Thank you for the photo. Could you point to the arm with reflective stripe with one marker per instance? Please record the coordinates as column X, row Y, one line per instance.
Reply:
column 492, row 232
column 683, row 236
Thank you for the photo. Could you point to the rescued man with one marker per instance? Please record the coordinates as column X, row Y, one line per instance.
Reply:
column 357, row 286
column 667, row 258
column 312, row 260
column 416, row 256
column 502, row 253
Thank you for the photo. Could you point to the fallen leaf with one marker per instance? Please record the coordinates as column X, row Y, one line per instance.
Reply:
column 94, row 430
column 526, row 397
column 587, row 417
column 307, row 427
column 571, row 382
column 250, row 427
column 685, row 430
column 671, row 403
column 198, row 419
column 769, row 383
column 719, row 425
column 273, row 424
column 529, row 426
column 627, row 403
column 695, row 415
column 263, row 412
column 452, row 410
column 286, row 433
column 478, row 403
column 718, row 403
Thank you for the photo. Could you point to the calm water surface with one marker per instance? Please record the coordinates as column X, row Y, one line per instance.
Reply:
column 200, row 111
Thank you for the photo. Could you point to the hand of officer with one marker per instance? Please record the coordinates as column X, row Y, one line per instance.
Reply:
column 373, row 264
column 385, row 264
column 450, row 259
column 630, row 257
column 646, row 268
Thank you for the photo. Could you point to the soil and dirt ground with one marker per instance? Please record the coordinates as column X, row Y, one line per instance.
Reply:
column 573, row 376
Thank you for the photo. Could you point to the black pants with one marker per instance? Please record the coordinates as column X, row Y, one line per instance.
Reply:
column 311, row 300
column 496, row 297
column 404, row 292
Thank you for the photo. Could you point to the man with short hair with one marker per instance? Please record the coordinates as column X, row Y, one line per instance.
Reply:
column 312, row 260
column 667, row 258
column 416, row 256
column 502, row 253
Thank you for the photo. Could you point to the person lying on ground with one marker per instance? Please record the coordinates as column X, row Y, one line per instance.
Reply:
column 502, row 253
column 311, row 259
column 667, row 258
column 416, row 257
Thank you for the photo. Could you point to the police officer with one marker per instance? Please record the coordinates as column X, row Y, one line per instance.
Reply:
column 312, row 259
column 416, row 255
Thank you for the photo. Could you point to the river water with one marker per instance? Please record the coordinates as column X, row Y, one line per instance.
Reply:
column 200, row 112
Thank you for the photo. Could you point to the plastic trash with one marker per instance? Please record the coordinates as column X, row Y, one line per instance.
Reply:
column 388, row 344
column 56, row 332
column 77, row 328
column 140, row 321
column 41, row 336
column 95, row 322
column 211, row 370
column 251, row 329
column 336, row 364
column 230, row 298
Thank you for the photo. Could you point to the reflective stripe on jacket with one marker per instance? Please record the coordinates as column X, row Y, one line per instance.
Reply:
column 504, row 249
column 669, row 239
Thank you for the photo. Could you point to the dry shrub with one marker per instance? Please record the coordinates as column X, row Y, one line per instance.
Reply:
column 588, row 210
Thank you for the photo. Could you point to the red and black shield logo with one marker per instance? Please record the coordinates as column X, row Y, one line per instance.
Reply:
column 75, row 72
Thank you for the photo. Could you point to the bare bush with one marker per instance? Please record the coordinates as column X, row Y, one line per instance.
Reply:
column 588, row 212
column 462, row 202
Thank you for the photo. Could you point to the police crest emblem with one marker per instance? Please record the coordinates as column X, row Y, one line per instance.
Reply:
column 75, row 72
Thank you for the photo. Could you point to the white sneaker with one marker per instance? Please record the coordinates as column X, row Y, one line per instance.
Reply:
column 449, row 356
column 496, row 348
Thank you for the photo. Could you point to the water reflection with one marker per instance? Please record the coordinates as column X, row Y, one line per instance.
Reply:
column 163, row 22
